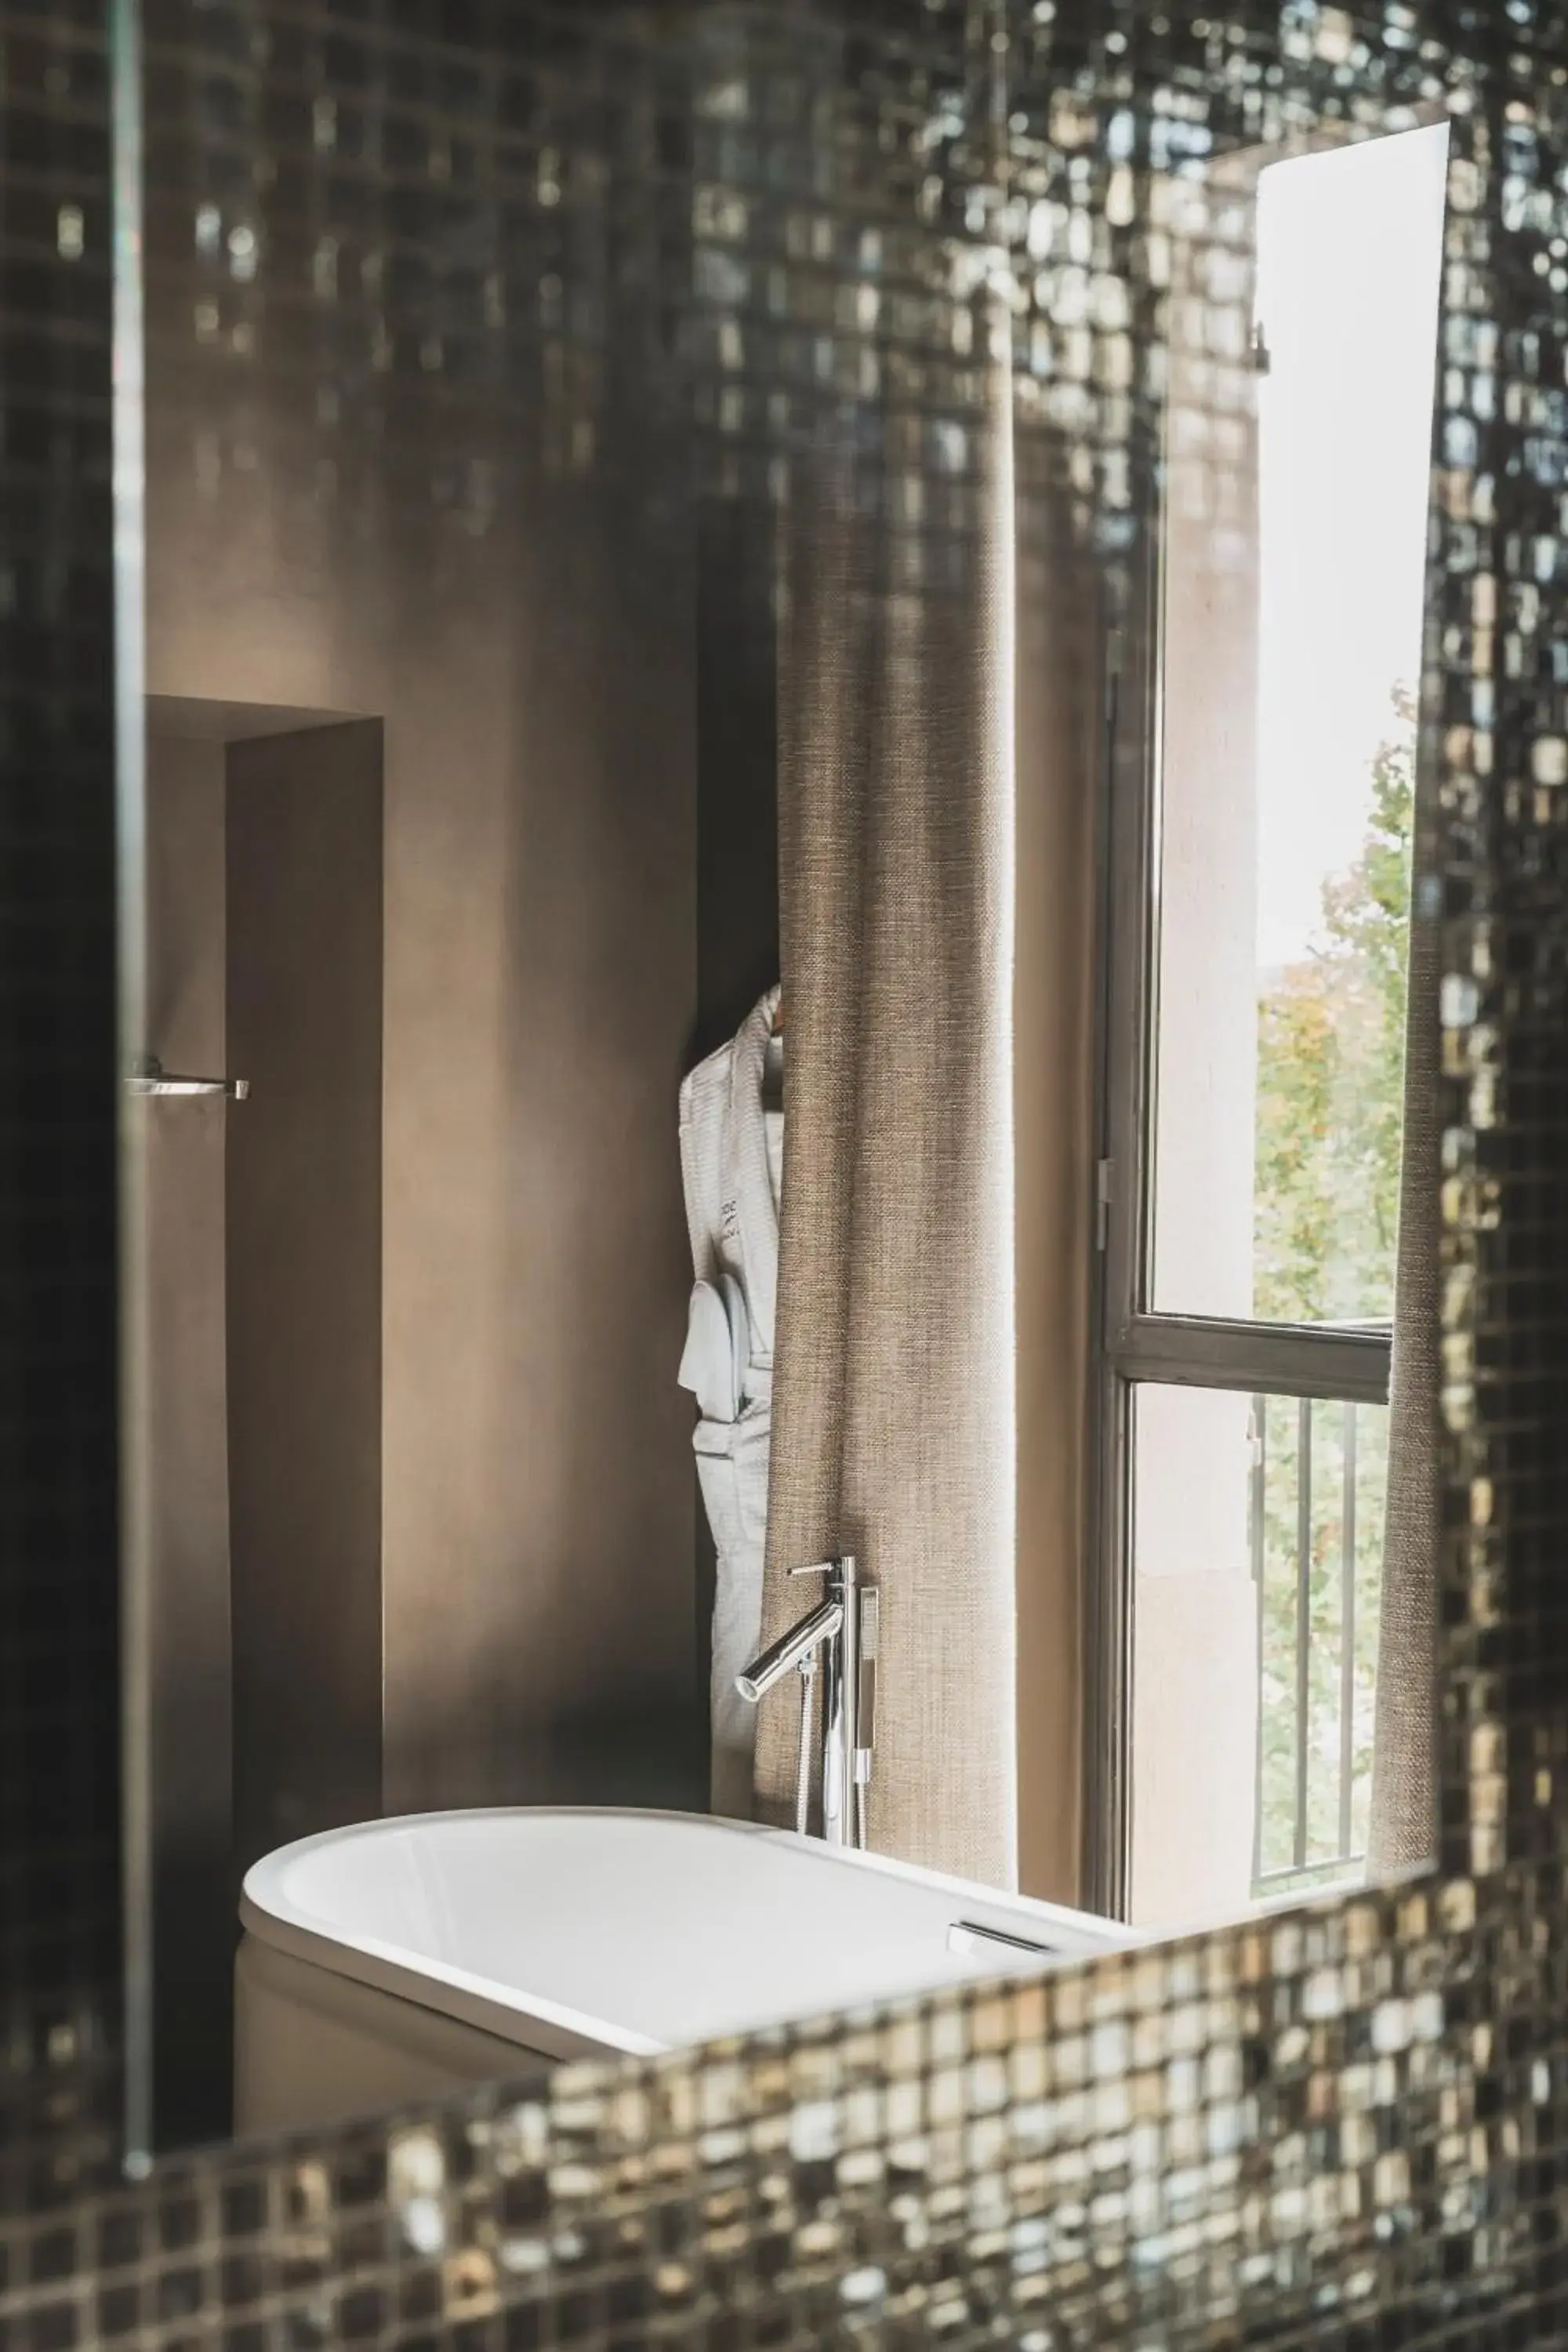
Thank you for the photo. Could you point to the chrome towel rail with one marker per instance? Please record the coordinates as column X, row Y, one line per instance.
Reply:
column 150, row 1077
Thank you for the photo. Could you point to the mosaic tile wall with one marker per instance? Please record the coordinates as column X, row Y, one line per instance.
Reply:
column 1347, row 2128
column 59, row 1780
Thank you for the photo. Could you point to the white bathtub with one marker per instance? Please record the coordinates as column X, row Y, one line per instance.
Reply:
column 405, row 1957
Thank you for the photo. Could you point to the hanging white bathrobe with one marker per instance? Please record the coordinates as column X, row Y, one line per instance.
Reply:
column 730, row 1155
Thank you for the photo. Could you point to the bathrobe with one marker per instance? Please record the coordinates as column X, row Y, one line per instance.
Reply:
column 730, row 1160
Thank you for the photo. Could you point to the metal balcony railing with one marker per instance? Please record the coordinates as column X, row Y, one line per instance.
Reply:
column 1314, row 1651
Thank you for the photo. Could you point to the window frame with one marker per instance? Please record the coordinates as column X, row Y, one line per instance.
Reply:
column 1132, row 1344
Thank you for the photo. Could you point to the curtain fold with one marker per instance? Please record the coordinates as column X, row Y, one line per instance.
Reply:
column 1403, row 1830
column 893, row 1398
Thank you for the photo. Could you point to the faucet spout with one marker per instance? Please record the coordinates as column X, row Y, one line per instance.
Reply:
column 824, row 1623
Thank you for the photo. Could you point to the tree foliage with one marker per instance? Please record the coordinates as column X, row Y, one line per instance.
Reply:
column 1331, row 1056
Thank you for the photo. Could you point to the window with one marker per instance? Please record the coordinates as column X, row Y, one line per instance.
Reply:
column 1262, row 781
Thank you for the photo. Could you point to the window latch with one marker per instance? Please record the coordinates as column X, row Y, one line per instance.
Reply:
column 1102, row 1203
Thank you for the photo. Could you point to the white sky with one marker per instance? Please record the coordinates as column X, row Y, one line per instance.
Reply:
column 1350, row 247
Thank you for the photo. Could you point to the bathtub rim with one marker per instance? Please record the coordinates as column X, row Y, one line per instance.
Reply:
column 553, row 2029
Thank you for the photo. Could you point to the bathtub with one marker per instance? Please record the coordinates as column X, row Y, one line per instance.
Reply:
column 404, row 1959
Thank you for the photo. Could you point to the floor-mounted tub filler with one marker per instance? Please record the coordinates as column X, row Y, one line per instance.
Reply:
column 402, row 1958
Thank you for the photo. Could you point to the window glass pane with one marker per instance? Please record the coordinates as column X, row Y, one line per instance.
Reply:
column 1258, row 1553
column 1318, row 1479
column 1295, row 548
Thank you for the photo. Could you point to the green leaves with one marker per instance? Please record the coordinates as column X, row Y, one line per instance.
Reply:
column 1331, row 1062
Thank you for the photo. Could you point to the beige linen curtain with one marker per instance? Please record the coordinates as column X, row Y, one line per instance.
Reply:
column 893, row 1397
column 1403, row 1833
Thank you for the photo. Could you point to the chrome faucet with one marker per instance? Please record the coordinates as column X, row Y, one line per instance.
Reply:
column 845, row 1627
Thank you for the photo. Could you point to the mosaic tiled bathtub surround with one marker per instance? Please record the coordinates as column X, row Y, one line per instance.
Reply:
column 460, row 235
